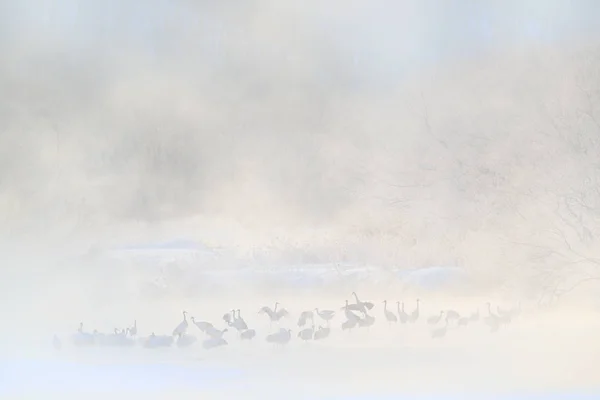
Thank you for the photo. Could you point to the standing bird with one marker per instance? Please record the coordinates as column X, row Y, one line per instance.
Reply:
column 133, row 330
column 348, row 313
column 350, row 324
column 401, row 313
column 274, row 314
column 182, row 327
column 326, row 315
column 364, row 305
column 238, row 322
column 463, row 321
column 304, row 316
column 202, row 325
column 492, row 319
column 440, row 332
column 366, row 322
column 414, row 316
column 435, row 319
column 390, row 316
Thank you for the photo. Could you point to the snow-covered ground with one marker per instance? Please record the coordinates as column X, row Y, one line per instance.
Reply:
column 540, row 355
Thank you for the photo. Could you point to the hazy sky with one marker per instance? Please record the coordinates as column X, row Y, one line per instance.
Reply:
column 148, row 110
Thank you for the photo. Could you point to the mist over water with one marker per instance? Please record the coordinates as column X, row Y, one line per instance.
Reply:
column 395, row 135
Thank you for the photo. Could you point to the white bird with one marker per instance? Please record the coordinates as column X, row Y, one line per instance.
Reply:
column 182, row 327
column 238, row 322
column 304, row 316
column 212, row 342
column 474, row 317
column 185, row 340
column 326, row 315
column 248, row 334
column 81, row 338
column 133, row 330
column 366, row 322
column 321, row 333
column 348, row 313
column 404, row 317
column 307, row 334
column 275, row 314
column 435, row 319
column 492, row 320
column 390, row 316
column 367, row 305
column 452, row 315
column 350, row 324
column 154, row 341
column 414, row 316
column 215, row 333
column 282, row 337
column 202, row 325
column 440, row 332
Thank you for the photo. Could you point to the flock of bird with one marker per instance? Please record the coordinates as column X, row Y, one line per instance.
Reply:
column 356, row 315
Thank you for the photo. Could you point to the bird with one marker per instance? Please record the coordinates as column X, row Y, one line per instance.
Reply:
column 414, row 316
column 492, row 319
column 349, row 324
column 363, row 306
column 227, row 317
column 321, row 333
column 452, row 315
column 213, row 342
column 440, row 332
column 307, row 333
column 390, row 316
column 366, row 322
column 215, row 333
column 463, row 321
column 133, row 330
column 435, row 319
column 248, row 334
column 274, row 314
column 182, row 327
column 81, row 338
column 304, row 316
column 326, row 315
column 202, row 325
column 402, row 315
column 281, row 337
column 348, row 313
column 238, row 322
column 185, row 340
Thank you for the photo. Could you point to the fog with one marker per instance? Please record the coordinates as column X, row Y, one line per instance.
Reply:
column 290, row 135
